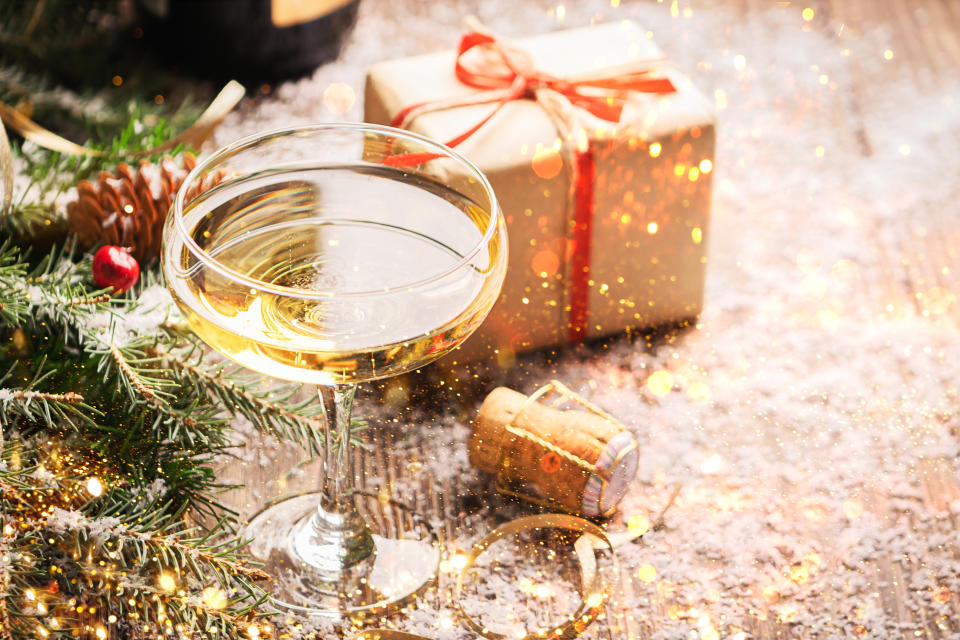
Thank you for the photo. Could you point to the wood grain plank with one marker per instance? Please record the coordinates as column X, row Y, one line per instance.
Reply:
column 944, row 26
column 908, row 50
column 840, row 16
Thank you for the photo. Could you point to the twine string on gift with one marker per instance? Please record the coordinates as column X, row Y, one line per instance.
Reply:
column 505, row 73
column 195, row 135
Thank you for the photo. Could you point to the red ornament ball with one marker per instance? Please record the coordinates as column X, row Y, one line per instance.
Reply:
column 115, row 267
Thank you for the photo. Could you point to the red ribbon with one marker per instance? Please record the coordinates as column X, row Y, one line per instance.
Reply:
column 505, row 73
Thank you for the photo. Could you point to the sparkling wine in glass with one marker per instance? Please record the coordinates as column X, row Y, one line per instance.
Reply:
column 334, row 255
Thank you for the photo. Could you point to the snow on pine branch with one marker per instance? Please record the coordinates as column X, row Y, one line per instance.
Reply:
column 69, row 521
column 107, row 328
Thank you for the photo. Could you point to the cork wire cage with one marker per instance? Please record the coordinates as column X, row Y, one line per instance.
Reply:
column 553, row 467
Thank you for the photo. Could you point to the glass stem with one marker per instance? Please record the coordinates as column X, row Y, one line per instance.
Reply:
column 337, row 460
column 336, row 540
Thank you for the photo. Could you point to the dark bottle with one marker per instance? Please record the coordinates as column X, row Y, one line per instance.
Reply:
column 251, row 40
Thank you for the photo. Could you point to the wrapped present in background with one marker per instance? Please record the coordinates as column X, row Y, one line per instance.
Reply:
column 601, row 157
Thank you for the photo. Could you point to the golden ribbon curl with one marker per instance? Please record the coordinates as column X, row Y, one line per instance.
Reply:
column 6, row 171
column 592, row 598
column 195, row 135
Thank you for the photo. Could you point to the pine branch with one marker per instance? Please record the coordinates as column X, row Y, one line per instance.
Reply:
column 196, row 551
column 105, row 297
column 243, row 394
column 295, row 423
column 134, row 381
column 230, row 621
column 166, row 429
column 10, row 492
column 226, row 566
column 48, row 292
column 12, row 273
column 27, row 403
column 53, row 302
column 67, row 398
column 4, row 611
column 97, row 554
column 91, row 557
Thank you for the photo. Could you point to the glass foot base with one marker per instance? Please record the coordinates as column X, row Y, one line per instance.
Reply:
column 403, row 564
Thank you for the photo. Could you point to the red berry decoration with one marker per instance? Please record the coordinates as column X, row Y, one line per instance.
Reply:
column 115, row 267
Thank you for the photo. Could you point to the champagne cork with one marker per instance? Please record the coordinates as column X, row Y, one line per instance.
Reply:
column 577, row 459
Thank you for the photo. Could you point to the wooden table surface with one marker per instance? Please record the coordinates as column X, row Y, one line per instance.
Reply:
column 905, row 282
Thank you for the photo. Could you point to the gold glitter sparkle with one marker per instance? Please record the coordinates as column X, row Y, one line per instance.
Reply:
column 638, row 525
column 546, row 163
column 167, row 582
column 94, row 487
column 647, row 573
column 712, row 464
column 660, row 383
column 941, row 594
column 720, row 99
column 853, row 508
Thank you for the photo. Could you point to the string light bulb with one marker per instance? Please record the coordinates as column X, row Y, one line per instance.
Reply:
column 167, row 581
column 94, row 487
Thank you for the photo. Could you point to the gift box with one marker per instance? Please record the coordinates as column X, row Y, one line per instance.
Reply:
column 601, row 157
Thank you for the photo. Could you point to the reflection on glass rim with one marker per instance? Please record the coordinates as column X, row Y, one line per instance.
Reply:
column 239, row 145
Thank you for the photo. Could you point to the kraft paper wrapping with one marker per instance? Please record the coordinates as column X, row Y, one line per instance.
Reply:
column 651, row 195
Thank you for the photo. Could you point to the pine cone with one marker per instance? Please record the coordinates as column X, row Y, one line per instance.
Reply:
column 129, row 209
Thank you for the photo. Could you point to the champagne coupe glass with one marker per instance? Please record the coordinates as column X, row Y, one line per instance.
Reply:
column 333, row 255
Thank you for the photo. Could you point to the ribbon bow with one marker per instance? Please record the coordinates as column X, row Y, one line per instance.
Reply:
column 505, row 73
